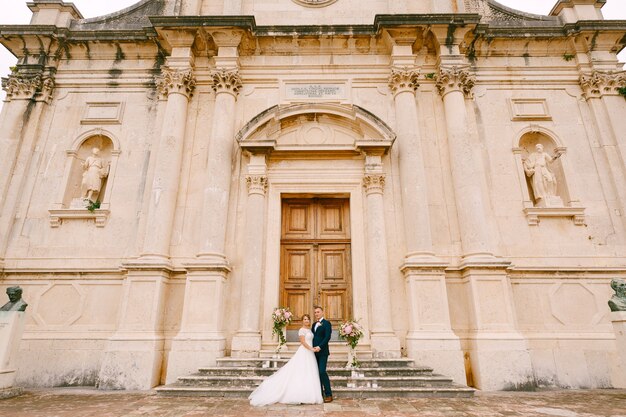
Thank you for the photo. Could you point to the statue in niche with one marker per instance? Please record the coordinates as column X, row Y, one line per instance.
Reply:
column 618, row 301
column 15, row 300
column 94, row 171
column 543, row 180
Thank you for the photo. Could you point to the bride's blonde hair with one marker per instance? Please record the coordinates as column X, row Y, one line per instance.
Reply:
column 307, row 316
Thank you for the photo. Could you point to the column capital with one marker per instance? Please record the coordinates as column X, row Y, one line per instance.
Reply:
column 455, row 78
column 28, row 86
column 226, row 81
column 404, row 79
column 175, row 81
column 600, row 83
column 374, row 183
column 257, row 184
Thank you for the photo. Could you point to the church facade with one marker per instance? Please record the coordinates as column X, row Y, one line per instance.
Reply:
column 451, row 173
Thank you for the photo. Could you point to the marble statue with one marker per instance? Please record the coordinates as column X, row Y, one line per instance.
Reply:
column 15, row 300
column 618, row 301
column 94, row 170
column 543, row 180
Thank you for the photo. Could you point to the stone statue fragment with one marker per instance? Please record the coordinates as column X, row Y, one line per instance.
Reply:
column 618, row 301
column 15, row 300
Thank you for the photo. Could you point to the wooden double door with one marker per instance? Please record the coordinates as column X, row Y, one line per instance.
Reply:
column 315, row 258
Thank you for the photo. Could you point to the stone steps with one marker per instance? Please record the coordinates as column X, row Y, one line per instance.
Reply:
column 375, row 378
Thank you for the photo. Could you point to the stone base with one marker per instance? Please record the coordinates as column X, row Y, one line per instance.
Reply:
column 131, row 365
column 10, row 392
column 11, row 329
column 618, row 378
column 385, row 346
column 443, row 354
column 246, row 345
column 498, row 363
column 189, row 354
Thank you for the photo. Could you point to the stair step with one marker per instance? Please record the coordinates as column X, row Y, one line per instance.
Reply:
column 332, row 362
column 339, row 392
column 369, row 372
column 340, row 381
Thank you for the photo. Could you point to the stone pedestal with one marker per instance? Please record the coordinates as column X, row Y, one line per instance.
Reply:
column 134, row 354
column 201, row 340
column 618, row 377
column 11, row 329
column 430, row 340
column 499, row 354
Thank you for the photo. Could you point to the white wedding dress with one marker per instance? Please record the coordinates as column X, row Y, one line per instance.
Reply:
column 297, row 382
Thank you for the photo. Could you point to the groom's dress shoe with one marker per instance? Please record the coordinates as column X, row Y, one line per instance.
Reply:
column 328, row 399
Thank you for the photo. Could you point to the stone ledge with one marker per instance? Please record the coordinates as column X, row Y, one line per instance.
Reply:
column 57, row 217
column 534, row 213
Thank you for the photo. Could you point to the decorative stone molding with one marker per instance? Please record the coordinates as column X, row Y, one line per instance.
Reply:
column 403, row 79
column 374, row 183
column 227, row 81
column 451, row 79
column 599, row 83
column 257, row 184
column 534, row 213
column 24, row 87
column 175, row 81
column 99, row 216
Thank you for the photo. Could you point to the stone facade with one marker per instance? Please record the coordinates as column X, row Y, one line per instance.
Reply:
column 472, row 249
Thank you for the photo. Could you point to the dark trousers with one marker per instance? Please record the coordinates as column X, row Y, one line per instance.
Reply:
column 321, row 364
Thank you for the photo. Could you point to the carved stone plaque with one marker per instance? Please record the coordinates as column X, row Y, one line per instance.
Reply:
column 321, row 91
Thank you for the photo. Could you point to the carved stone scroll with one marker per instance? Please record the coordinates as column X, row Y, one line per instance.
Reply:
column 599, row 83
column 455, row 79
column 403, row 79
column 227, row 81
column 175, row 81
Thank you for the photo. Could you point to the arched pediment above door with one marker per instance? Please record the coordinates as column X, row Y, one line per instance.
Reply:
column 315, row 127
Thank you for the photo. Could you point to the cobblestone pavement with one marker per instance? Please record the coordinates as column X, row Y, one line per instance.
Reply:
column 85, row 402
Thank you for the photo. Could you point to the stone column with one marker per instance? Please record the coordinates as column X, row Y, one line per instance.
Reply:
column 201, row 338
column 619, row 325
column 385, row 343
column 498, row 352
column 247, row 340
column 454, row 84
column 28, row 93
column 134, row 354
column 226, row 83
column 176, row 85
column 597, row 87
column 430, row 338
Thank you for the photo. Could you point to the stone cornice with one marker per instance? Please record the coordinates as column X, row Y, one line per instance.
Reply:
column 455, row 78
column 226, row 81
column 403, row 80
column 599, row 83
column 175, row 81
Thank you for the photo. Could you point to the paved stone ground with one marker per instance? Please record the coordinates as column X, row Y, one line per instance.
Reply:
column 85, row 402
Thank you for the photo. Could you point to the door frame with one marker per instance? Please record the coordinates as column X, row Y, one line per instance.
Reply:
column 350, row 187
column 316, row 246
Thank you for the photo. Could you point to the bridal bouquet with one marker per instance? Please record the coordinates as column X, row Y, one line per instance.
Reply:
column 351, row 331
column 281, row 318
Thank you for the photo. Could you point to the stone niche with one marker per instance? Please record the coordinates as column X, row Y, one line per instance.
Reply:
column 544, row 178
column 89, row 170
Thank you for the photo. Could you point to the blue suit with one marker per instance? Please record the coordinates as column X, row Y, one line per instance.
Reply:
column 321, row 337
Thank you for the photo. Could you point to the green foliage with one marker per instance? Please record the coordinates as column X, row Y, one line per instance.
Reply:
column 622, row 91
column 568, row 57
column 430, row 76
column 93, row 205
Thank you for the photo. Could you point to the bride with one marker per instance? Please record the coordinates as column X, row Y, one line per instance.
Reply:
column 298, row 381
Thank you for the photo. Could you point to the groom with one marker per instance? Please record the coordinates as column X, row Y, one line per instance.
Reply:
column 321, row 336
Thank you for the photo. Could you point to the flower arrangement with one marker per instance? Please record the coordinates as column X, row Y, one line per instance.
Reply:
column 281, row 318
column 351, row 331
